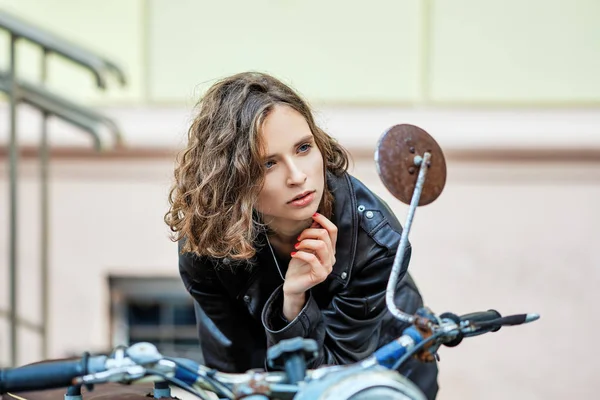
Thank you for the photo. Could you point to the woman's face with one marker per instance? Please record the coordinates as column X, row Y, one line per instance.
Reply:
column 294, row 176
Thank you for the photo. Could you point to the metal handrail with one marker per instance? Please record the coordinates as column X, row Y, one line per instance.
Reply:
column 50, row 103
column 50, row 43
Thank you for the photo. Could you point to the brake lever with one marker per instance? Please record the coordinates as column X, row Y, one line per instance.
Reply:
column 128, row 364
column 125, row 374
column 510, row 320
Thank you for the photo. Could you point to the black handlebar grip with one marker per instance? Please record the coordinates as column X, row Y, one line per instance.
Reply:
column 482, row 316
column 47, row 375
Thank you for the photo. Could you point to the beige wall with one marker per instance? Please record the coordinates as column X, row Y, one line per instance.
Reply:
column 507, row 52
column 515, row 237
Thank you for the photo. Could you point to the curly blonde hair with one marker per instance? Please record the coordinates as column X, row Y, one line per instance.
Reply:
column 220, row 173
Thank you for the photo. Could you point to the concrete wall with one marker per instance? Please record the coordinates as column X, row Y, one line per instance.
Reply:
column 514, row 237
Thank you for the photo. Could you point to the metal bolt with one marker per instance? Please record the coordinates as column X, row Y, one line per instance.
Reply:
column 369, row 214
column 247, row 299
column 361, row 208
column 412, row 150
column 344, row 275
column 418, row 160
column 411, row 170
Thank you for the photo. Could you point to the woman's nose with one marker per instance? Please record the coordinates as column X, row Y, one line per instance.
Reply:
column 296, row 175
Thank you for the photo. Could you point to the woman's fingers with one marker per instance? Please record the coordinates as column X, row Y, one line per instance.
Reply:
column 318, row 272
column 313, row 260
column 320, row 248
column 329, row 226
column 317, row 234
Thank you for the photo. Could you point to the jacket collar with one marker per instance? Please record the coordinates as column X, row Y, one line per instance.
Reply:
column 345, row 217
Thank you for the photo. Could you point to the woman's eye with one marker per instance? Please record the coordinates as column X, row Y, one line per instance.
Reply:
column 269, row 164
column 304, row 148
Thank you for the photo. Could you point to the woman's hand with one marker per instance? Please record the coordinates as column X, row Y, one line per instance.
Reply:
column 311, row 264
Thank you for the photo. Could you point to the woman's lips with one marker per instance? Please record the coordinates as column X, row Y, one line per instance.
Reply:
column 303, row 201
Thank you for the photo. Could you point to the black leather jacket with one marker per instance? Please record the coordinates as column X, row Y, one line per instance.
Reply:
column 239, row 305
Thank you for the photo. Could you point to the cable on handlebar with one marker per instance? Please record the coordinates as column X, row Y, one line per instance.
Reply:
column 417, row 348
column 180, row 384
column 221, row 388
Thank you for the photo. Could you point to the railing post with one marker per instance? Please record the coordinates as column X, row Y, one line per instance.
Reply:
column 13, row 207
column 44, row 216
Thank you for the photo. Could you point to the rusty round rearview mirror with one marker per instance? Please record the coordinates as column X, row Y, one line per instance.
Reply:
column 397, row 157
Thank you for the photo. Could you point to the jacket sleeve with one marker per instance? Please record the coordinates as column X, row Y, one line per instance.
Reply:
column 356, row 322
column 224, row 345
column 349, row 328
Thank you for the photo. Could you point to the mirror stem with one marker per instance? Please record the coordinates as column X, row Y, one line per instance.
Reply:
column 423, row 163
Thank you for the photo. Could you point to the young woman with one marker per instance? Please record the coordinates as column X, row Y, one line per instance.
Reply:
column 277, row 240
